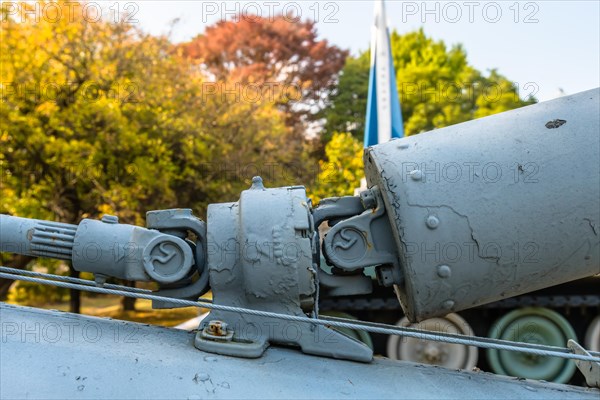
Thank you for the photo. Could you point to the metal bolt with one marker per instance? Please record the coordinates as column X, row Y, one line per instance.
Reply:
column 217, row 328
column 444, row 271
column 257, row 183
column 100, row 279
column 432, row 222
column 448, row 304
column 110, row 219
column 416, row 175
column 368, row 199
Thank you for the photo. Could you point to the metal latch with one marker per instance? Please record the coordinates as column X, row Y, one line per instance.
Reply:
column 589, row 369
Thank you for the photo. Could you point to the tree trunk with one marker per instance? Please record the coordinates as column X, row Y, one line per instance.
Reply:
column 128, row 303
column 75, row 295
column 18, row 262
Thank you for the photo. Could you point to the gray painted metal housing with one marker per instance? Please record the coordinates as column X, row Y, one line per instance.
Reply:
column 494, row 207
column 260, row 256
column 57, row 355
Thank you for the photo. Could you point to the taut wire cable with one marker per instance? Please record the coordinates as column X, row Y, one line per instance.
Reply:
column 487, row 343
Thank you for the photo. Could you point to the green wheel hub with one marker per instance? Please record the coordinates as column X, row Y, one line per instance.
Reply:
column 592, row 335
column 361, row 336
column 448, row 355
column 534, row 325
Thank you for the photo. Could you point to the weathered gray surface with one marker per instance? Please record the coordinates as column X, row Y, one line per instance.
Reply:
column 96, row 358
column 260, row 256
column 494, row 207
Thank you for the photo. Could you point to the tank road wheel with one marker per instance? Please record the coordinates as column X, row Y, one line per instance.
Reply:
column 592, row 335
column 532, row 325
column 361, row 336
column 455, row 356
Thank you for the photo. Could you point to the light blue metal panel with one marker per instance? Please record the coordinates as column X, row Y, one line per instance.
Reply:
column 56, row 355
column 383, row 116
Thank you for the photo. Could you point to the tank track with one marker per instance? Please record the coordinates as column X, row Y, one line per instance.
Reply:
column 378, row 304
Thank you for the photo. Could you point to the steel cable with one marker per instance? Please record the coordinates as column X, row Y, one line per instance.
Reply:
column 369, row 327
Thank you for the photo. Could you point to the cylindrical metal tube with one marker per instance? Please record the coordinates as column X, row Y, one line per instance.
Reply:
column 101, row 247
column 495, row 207
column 36, row 238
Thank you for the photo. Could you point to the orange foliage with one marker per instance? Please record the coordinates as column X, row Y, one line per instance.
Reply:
column 271, row 51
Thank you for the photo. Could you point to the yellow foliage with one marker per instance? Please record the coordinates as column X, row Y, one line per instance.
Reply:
column 105, row 209
column 342, row 170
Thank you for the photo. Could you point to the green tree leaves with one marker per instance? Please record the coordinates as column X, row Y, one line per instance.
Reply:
column 340, row 175
column 437, row 87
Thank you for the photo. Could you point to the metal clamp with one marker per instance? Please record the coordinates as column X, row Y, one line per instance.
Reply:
column 364, row 240
column 589, row 369
column 178, row 222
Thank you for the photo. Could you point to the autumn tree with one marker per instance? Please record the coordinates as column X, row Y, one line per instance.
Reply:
column 99, row 117
column 80, row 136
column 341, row 171
column 436, row 84
column 281, row 56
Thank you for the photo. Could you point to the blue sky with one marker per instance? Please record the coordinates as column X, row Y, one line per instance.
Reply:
column 542, row 46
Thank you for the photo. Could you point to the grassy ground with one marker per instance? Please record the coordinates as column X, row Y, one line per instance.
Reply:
column 110, row 306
